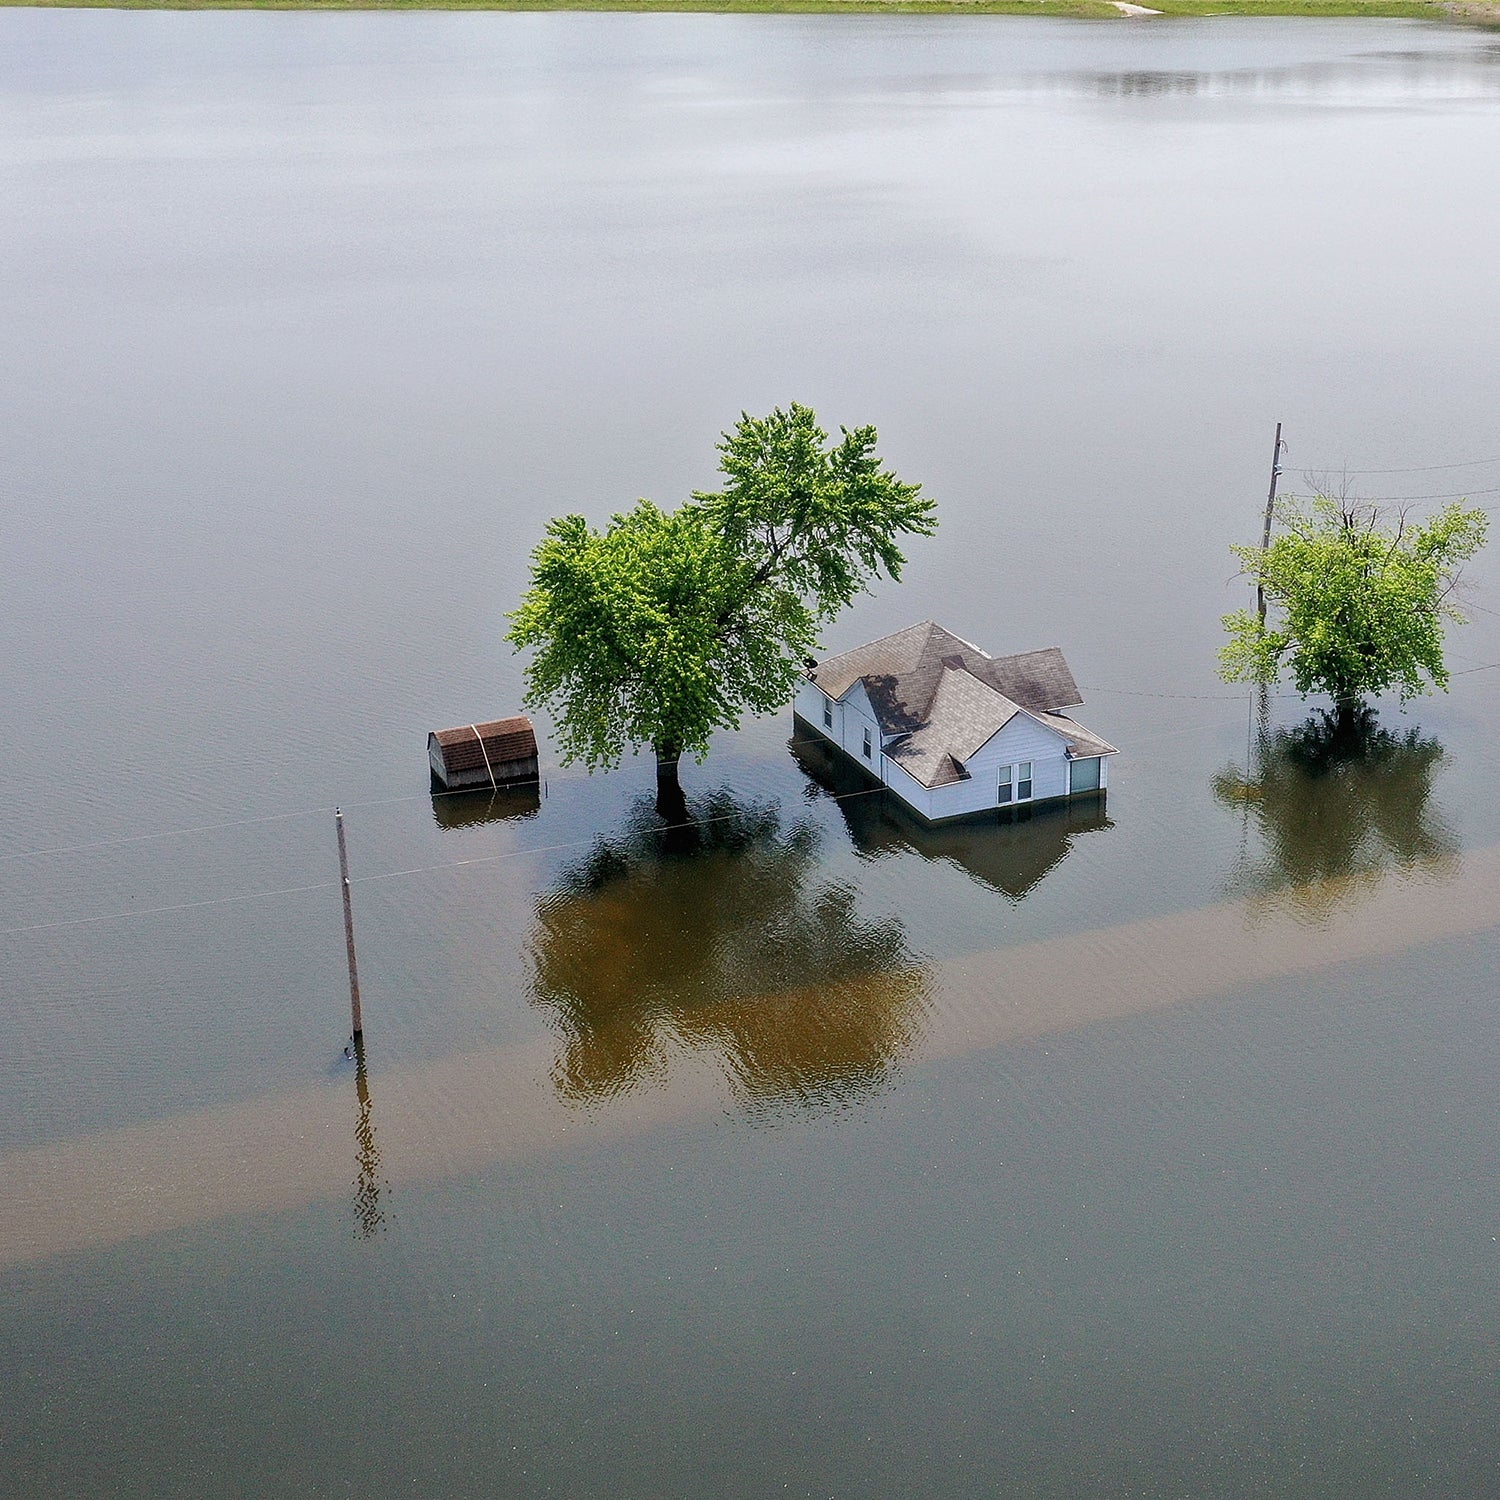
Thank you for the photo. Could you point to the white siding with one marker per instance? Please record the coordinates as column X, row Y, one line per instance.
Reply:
column 909, row 789
column 961, row 797
column 809, row 703
column 859, row 717
column 852, row 715
column 1024, row 738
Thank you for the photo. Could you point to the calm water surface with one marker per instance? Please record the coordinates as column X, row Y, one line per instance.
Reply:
column 1146, row 1149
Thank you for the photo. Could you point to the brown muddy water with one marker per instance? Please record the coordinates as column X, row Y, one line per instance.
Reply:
column 1145, row 1148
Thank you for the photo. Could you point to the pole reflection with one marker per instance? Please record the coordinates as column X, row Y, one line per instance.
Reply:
column 730, row 944
column 1336, row 806
column 369, row 1216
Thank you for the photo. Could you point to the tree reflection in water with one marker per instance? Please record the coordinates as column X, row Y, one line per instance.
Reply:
column 736, row 945
column 1336, row 808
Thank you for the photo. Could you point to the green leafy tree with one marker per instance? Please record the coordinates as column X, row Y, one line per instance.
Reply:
column 1362, row 600
column 666, row 626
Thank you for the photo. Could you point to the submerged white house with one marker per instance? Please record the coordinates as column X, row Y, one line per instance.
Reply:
column 952, row 730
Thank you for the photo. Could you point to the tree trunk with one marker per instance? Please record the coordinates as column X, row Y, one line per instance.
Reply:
column 671, row 804
column 1349, row 723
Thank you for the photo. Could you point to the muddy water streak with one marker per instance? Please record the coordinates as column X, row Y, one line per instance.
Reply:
column 460, row 1114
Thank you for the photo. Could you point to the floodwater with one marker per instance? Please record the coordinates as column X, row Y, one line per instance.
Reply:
column 1146, row 1148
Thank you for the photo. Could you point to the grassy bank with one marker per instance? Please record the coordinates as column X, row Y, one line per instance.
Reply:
column 1485, row 12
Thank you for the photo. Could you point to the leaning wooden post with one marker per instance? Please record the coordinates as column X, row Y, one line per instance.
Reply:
column 359, row 1025
column 1265, row 536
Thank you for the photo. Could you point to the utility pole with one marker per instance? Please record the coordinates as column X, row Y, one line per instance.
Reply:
column 359, row 1025
column 1265, row 536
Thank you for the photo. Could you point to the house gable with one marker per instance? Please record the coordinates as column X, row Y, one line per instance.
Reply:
column 1025, row 737
column 857, row 700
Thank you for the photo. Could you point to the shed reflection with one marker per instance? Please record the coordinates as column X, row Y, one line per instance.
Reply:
column 1011, row 851
column 472, row 809
column 1336, row 807
column 739, row 947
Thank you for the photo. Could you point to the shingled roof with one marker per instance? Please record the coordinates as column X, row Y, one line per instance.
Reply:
column 901, row 673
column 944, row 697
column 1081, row 743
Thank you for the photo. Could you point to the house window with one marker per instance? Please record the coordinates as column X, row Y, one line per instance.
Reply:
column 867, row 744
column 828, row 713
column 1023, row 781
column 1083, row 775
column 1007, row 786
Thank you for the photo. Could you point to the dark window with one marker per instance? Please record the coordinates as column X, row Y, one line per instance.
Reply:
column 867, row 744
column 1023, row 781
column 1007, row 786
column 828, row 713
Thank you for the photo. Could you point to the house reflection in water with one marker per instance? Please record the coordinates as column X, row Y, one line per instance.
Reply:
column 1010, row 850
column 1336, row 807
column 738, row 946
column 470, row 809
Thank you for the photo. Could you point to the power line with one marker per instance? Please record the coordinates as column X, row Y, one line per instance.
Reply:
column 157, row 911
column 1471, row 463
column 166, row 833
column 1238, row 697
column 308, row 812
column 485, row 859
column 305, row 812
column 1452, row 495
column 324, row 885
column 1197, row 697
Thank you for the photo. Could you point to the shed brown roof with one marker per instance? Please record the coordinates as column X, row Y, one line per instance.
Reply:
column 504, row 740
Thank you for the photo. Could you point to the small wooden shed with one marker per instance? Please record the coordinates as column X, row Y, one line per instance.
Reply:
column 499, row 753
